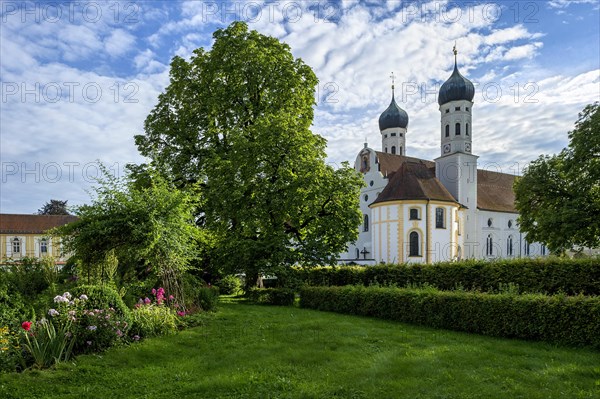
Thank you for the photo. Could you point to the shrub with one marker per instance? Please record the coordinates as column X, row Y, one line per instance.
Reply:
column 272, row 296
column 103, row 297
column 94, row 329
column 28, row 277
column 207, row 298
column 229, row 285
column 550, row 276
column 152, row 320
column 98, row 329
column 562, row 319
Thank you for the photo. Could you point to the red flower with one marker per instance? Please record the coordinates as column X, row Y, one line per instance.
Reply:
column 26, row 325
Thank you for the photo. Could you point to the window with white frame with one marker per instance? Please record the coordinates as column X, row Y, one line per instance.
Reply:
column 440, row 219
column 43, row 246
column 509, row 246
column 16, row 245
column 489, row 245
column 414, row 247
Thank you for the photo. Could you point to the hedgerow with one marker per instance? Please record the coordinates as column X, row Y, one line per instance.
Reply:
column 570, row 320
column 571, row 277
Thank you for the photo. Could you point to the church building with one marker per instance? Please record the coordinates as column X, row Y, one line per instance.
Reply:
column 425, row 211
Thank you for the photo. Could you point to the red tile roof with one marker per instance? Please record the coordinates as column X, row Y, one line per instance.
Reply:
column 414, row 180
column 494, row 190
column 32, row 224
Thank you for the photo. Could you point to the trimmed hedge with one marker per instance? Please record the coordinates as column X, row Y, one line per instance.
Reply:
column 570, row 320
column 549, row 276
column 103, row 297
column 272, row 296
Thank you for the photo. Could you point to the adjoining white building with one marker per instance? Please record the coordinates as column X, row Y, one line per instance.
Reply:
column 421, row 211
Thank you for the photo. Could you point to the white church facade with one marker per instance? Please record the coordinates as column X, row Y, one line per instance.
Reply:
column 422, row 211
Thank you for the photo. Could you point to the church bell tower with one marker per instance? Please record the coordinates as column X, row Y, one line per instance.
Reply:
column 392, row 125
column 456, row 168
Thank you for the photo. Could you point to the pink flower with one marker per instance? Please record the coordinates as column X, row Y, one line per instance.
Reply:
column 180, row 313
column 136, row 337
column 26, row 325
column 153, row 291
column 147, row 301
column 171, row 297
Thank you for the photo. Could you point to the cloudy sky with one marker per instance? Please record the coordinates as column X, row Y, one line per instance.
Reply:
column 79, row 78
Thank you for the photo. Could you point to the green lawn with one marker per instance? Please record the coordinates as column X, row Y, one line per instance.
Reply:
column 246, row 351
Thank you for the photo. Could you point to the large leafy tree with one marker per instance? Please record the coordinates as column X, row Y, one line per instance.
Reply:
column 54, row 207
column 236, row 119
column 151, row 224
column 558, row 197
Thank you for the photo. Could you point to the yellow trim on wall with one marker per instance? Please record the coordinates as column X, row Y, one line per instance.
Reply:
column 400, row 233
column 413, row 202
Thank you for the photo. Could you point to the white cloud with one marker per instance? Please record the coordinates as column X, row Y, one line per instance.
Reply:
column 119, row 42
column 566, row 3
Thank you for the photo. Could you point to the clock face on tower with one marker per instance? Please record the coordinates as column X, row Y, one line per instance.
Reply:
column 446, row 148
column 468, row 147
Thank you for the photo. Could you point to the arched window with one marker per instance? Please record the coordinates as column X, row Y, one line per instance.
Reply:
column 527, row 248
column 467, row 129
column 489, row 248
column 16, row 245
column 457, row 129
column 447, row 130
column 440, row 218
column 386, row 151
column 357, row 253
column 509, row 246
column 393, row 149
column 43, row 246
column 543, row 250
column 414, row 246
column 366, row 223
column 400, row 150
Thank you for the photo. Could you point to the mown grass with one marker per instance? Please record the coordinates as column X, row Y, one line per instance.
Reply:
column 248, row 351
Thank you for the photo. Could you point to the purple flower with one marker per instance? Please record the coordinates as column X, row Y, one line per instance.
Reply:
column 147, row 301
column 60, row 299
column 119, row 333
column 53, row 312
column 136, row 337
column 83, row 297
column 67, row 295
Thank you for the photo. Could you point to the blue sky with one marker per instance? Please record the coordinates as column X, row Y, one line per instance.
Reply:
column 79, row 78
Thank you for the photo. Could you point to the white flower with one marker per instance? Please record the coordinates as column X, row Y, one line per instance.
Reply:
column 83, row 297
column 67, row 295
column 53, row 312
column 60, row 299
column 92, row 328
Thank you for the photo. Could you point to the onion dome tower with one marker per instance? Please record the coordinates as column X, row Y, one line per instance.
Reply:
column 456, row 168
column 456, row 101
column 392, row 125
